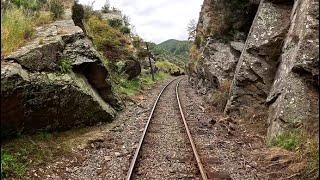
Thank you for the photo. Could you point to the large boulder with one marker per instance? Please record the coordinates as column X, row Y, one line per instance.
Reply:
column 55, row 82
column 47, row 101
column 132, row 68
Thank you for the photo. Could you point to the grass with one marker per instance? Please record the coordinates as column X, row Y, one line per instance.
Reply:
column 133, row 87
column 16, row 28
column 42, row 18
column 289, row 140
column 306, row 146
column 26, row 151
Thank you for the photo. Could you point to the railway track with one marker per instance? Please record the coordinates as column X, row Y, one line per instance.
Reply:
column 166, row 149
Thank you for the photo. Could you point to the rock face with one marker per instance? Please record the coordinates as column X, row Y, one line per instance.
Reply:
column 221, row 32
column 38, row 95
column 294, row 96
column 275, row 72
column 259, row 59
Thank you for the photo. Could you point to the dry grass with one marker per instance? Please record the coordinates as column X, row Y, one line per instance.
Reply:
column 16, row 28
column 43, row 18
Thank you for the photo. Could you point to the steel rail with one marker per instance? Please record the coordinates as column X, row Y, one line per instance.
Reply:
column 136, row 154
column 200, row 166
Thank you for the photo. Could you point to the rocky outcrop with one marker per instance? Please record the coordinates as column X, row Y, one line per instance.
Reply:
column 259, row 60
column 221, row 32
column 274, row 73
column 55, row 82
column 218, row 64
column 294, row 96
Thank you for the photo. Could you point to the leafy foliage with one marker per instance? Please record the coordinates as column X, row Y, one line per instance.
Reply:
column 125, row 30
column 168, row 67
column 11, row 166
column 115, row 23
column 65, row 66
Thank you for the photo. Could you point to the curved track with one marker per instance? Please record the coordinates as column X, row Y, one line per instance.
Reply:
column 166, row 149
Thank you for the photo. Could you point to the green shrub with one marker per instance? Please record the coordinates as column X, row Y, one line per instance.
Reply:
column 115, row 23
column 33, row 5
column 110, row 41
column 131, row 87
column 10, row 166
column 16, row 27
column 125, row 30
column 168, row 67
column 57, row 9
column 288, row 140
column 65, row 66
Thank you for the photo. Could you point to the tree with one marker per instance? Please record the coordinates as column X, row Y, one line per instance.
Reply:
column 192, row 30
column 106, row 7
column 126, row 20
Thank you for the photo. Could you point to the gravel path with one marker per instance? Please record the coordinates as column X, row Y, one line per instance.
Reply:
column 166, row 152
column 228, row 149
column 108, row 148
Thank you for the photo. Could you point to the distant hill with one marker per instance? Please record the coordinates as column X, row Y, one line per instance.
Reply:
column 172, row 50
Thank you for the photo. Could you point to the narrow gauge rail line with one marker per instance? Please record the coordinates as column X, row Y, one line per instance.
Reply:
column 142, row 139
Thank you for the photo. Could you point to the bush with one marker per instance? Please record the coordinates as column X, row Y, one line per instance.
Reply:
column 15, row 29
column 33, row 5
column 65, row 66
column 57, row 9
column 110, row 41
column 10, row 166
column 115, row 23
column 125, row 30
column 168, row 67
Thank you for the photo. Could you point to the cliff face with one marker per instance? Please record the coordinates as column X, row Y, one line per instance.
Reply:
column 270, row 54
column 55, row 82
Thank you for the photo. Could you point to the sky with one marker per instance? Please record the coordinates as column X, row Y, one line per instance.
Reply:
column 157, row 20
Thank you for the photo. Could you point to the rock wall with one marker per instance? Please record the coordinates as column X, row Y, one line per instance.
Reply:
column 221, row 33
column 293, row 100
column 258, row 63
column 273, row 66
column 55, row 82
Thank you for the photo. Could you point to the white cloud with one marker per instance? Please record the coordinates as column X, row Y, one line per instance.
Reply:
column 157, row 20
